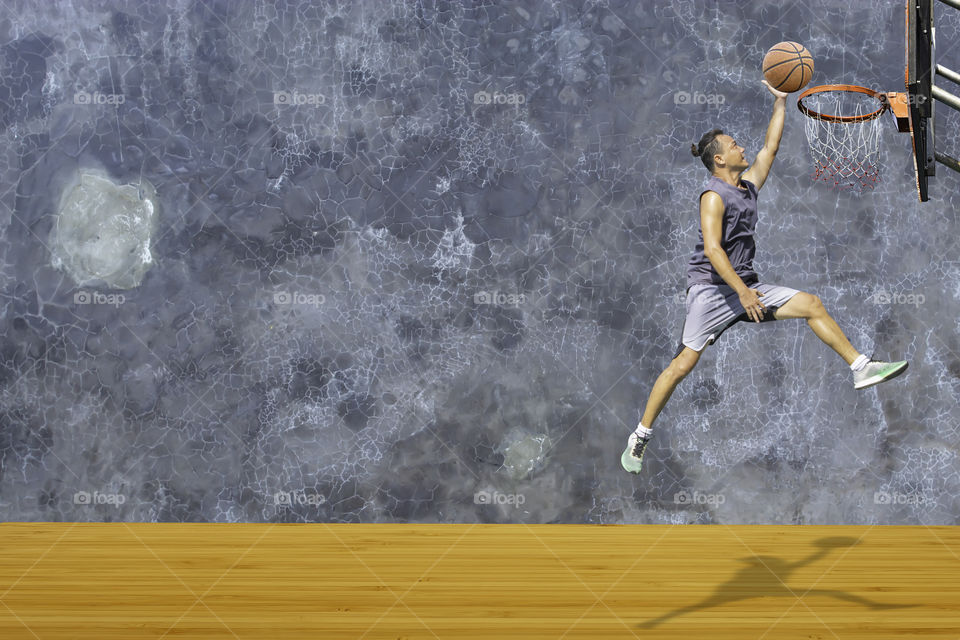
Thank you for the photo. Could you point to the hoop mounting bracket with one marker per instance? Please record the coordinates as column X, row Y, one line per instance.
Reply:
column 900, row 107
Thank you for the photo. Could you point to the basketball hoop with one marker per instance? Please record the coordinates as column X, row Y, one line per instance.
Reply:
column 845, row 143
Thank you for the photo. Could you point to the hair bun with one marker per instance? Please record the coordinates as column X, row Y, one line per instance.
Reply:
column 693, row 150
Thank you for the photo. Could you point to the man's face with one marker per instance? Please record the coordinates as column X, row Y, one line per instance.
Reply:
column 731, row 154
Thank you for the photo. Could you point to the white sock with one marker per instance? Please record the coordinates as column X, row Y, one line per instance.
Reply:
column 642, row 431
column 859, row 363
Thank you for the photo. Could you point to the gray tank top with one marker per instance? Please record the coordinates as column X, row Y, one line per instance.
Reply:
column 736, row 238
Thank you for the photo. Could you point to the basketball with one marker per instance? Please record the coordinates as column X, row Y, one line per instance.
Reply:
column 788, row 66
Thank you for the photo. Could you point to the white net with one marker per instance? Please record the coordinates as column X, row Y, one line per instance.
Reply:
column 845, row 154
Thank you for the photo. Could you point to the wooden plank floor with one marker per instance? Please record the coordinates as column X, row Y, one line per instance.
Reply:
column 380, row 581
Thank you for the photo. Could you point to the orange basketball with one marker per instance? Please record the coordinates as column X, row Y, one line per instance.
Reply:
column 788, row 66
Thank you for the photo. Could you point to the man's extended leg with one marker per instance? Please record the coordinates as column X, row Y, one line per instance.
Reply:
column 668, row 380
column 632, row 457
column 866, row 372
column 805, row 305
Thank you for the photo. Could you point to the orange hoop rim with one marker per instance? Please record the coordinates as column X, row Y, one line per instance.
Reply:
column 881, row 98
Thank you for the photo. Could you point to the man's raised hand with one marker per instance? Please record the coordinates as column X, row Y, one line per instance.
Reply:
column 779, row 94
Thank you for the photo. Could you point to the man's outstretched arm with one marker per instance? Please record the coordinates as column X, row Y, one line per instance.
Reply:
column 757, row 173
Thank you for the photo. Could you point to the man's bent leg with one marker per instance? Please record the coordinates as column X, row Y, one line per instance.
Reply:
column 805, row 305
column 667, row 381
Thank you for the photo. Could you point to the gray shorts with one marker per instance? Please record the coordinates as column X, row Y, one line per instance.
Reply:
column 712, row 308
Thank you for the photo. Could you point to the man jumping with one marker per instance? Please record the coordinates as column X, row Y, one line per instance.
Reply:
column 723, row 288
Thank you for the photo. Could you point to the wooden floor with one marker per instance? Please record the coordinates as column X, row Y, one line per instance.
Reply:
column 379, row 581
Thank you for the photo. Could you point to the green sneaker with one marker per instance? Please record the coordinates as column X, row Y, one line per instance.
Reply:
column 632, row 457
column 877, row 371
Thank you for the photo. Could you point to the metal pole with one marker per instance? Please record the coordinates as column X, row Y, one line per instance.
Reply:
column 953, row 3
column 946, row 97
column 947, row 160
column 949, row 74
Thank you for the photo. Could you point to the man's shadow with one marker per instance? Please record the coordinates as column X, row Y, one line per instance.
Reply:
column 769, row 576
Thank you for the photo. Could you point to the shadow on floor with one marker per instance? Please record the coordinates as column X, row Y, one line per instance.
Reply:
column 767, row 576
